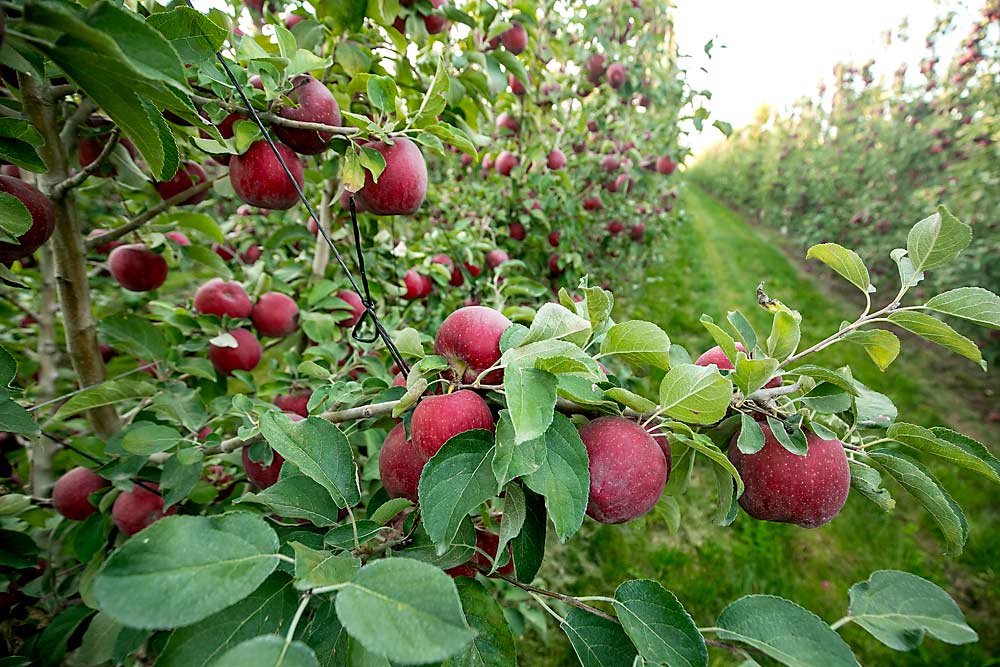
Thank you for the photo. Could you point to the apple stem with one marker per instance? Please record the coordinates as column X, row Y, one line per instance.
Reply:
column 841, row 622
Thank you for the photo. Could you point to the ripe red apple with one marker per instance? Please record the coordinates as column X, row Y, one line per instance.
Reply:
column 312, row 102
column 610, row 163
column 554, row 268
column 593, row 204
column 517, row 231
column 716, row 356
column 244, row 357
column 781, row 486
column 556, row 160
column 10, row 169
column 595, row 68
column 263, row 476
column 489, row 543
column 251, row 254
column 617, row 75
column 495, row 258
column 357, row 308
column 188, row 175
column 137, row 268
column 456, row 279
column 506, row 162
column 516, row 86
column 71, row 491
column 469, row 338
column 515, row 38
column 435, row 23
column 218, row 297
column 638, row 232
column 180, row 238
column 275, row 315
column 417, row 285
column 437, row 419
column 507, row 124
column 665, row 165
column 400, row 463
column 296, row 402
column 554, row 237
column 259, row 180
column 136, row 509
column 293, row 20
column 616, row 227
column 402, row 187
column 627, row 469
column 227, row 253
column 43, row 219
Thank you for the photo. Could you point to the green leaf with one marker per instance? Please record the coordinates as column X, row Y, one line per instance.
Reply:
column 704, row 445
column 629, row 399
column 695, row 394
column 969, row 303
column 268, row 651
column 921, row 484
column 147, row 438
column 494, row 642
column 50, row 645
column 752, row 374
column 899, row 608
column 382, row 93
column 514, row 512
column 908, row 276
column 721, row 338
column 954, row 447
column 825, row 375
column 785, row 334
column 267, row 610
column 342, row 537
column 405, row 610
column 528, row 548
column 109, row 393
column 18, row 139
column 845, row 262
column 434, row 101
column 881, row 345
column 529, row 355
column 178, row 480
column 185, row 568
column 658, row 625
column 195, row 36
column 511, row 460
column 315, row 568
column 388, row 510
column 564, row 477
column 373, row 161
column 199, row 222
column 936, row 331
column 15, row 219
column 784, row 631
column 788, row 436
column 460, row 549
column 827, row 399
column 937, row 240
column 553, row 321
column 453, row 136
column 14, row 418
column 319, row 450
column 639, row 344
column 597, row 641
column 743, row 329
column 296, row 496
column 873, row 410
column 751, row 438
column 868, row 482
column 206, row 256
column 137, row 335
column 531, row 401
column 456, row 480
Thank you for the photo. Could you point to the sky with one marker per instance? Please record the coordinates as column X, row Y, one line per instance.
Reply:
column 777, row 51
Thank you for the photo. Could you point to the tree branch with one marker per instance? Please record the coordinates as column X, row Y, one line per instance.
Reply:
column 82, row 112
column 568, row 599
column 60, row 189
column 149, row 214
column 274, row 119
column 764, row 395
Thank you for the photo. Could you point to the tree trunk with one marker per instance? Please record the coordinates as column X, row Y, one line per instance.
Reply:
column 70, row 257
column 42, row 449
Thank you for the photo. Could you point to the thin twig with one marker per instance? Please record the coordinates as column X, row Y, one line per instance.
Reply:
column 67, row 135
column 568, row 599
column 278, row 120
column 60, row 189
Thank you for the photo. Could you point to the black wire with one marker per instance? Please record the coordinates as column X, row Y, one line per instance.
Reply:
column 365, row 297
column 62, row 443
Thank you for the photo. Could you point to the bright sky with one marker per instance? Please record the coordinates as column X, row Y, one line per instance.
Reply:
column 777, row 51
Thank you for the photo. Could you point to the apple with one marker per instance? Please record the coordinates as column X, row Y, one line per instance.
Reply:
column 516, row 86
column 296, row 402
column 495, row 258
column 136, row 509
column 610, row 163
column 43, row 219
column 263, row 476
column 251, row 254
column 417, row 285
column 593, row 204
column 312, row 102
column 718, row 357
column 506, row 162
column 638, row 232
column 556, row 159
column 218, row 297
column 517, row 231
column 554, row 237
column 617, row 75
column 137, row 268
column 244, row 357
column 554, row 268
column 259, row 180
column 627, row 469
column 357, row 308
column 435, row 23
column 616, row 227
column 188, row 175
column 489, row 543
column 515, row 38
column 10, row 169
column 227, row 253
column 180, row 238
column 402, row 187
column 595, row 68
column 70, row 495
column 293, row 20
column 437, row 419
column 665, row 165
column 507, row 124
column 469, row 338
column 400, row 463
column 457, row 279
column 225, row 129
column 781, row 486
column 275, row 315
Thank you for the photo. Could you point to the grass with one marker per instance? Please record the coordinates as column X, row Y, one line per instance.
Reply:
column 711, row 264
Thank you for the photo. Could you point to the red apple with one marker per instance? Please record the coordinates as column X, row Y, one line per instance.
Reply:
column 402, row 187
column 495, row 258
column 293, row 20
column 400, row 463
column 506, row 162
column 469, row 338
column 556, row 160
column 617, row 75
column 610, row 163
column 638, row 232
column 593, row 204
column 515, row 38
column 435, row 23
column 137, row 268
column 437, row 419
column 554, row 267
column 627, row 469
column 781, row 486
column 665, row 165
column 218, row 297
column 43, row 219
column 357, row 307
column 517, row 231
column 616, row 227
column 244, row 357
column 259, row 180
column 180, row 238
column 554, row 237
column 262, row 475
column 296, row 402
column 312, row 102
column 417, row 285
column 275, row 315
column 516, row 86
column 507, row 124
column 136, row 509
column 595, row 68
column 188, row 175
column 70, row 495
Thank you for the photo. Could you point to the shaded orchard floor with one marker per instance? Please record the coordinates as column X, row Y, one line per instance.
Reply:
column 712, row 263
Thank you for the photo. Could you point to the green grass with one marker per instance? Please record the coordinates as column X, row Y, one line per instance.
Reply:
column 712, row 263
